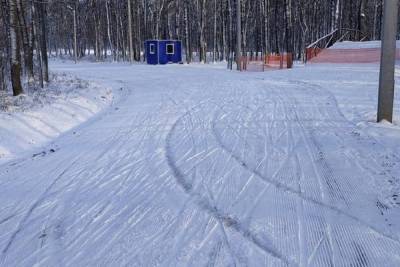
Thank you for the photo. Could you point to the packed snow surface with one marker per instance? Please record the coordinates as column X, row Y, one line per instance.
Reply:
column 200, row 166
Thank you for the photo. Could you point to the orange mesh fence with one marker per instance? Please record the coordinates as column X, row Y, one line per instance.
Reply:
column 267, row 62
column 312, row 52
column 280, row 61
column 362, row 55
column 252, row 64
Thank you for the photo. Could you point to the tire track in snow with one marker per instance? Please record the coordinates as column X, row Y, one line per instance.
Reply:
column 205, row 205
column 284, row 170
column 356, row 248
column 239, row 136
column 343, row 118
column 285, row 188
column 211, row 199
column 373, row 165
column 290, row 167
column 325, row 168
column 25, row 218
column 255, row 169
column 291, row 114
column 50, row 222
column 290, row 150
column 6, row 219
column 344, row 232
column 138, row 165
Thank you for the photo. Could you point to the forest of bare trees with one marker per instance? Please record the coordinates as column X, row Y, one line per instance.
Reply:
column 32, row 30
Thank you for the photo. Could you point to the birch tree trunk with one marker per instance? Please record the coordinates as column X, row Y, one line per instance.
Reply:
column 43, row 41
column 75, row 35
column 363, row 27
column 109, row 29
column 238, row 34
column 3, row 52
column 223, row 26
column 337, row 15
column 202, row 24
column 215, row 33
column 230, row 41
column 187, row 35
column 289, row 27
column 130, row 32
column 36, row 31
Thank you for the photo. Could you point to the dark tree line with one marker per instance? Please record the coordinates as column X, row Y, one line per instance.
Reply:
column 116, row 29
column 23, row 43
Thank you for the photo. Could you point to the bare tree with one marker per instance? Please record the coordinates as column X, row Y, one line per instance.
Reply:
column 15, row 49
column 43, row 40
column 238, row 33
column 130, row 31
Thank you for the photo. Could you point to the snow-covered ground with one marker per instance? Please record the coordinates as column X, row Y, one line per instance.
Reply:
column 199, row 166
column 37, row 117
column 360, row 45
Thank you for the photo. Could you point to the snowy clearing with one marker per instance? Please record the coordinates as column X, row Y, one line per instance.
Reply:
column 32, row 120
column 199, row 166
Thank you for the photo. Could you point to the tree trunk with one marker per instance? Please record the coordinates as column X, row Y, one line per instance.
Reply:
column 15, row 49
column 187, row 35
column 75, row 35
column 130, row 31
column 230, row 30
column 28, row 52
column 363, row 18
column 43, row 41
column 238, row 34
column 289, row 27
column 215, row 33
column 3, row 51
column 202, row 24
column 111, row 46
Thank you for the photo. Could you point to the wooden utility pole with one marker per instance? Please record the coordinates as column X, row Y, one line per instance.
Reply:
column 388, row 58
column 238, row 34
column 130, row 32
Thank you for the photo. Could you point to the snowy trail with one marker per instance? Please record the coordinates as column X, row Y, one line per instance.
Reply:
column 209, row 168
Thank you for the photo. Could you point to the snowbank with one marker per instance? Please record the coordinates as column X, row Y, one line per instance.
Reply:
column 32, row 120
column 359, row 45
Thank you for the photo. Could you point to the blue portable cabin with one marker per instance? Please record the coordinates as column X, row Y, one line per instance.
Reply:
column 163, row 51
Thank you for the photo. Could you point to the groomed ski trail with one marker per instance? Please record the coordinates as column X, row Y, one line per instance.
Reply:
column 208, row 168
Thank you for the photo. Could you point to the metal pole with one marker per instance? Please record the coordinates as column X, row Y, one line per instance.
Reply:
column 238, row 34
column 388, row 58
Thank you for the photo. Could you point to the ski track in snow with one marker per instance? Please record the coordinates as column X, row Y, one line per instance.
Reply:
column 210, row 168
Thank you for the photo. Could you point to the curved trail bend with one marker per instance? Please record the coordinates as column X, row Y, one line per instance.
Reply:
column 208, row 168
